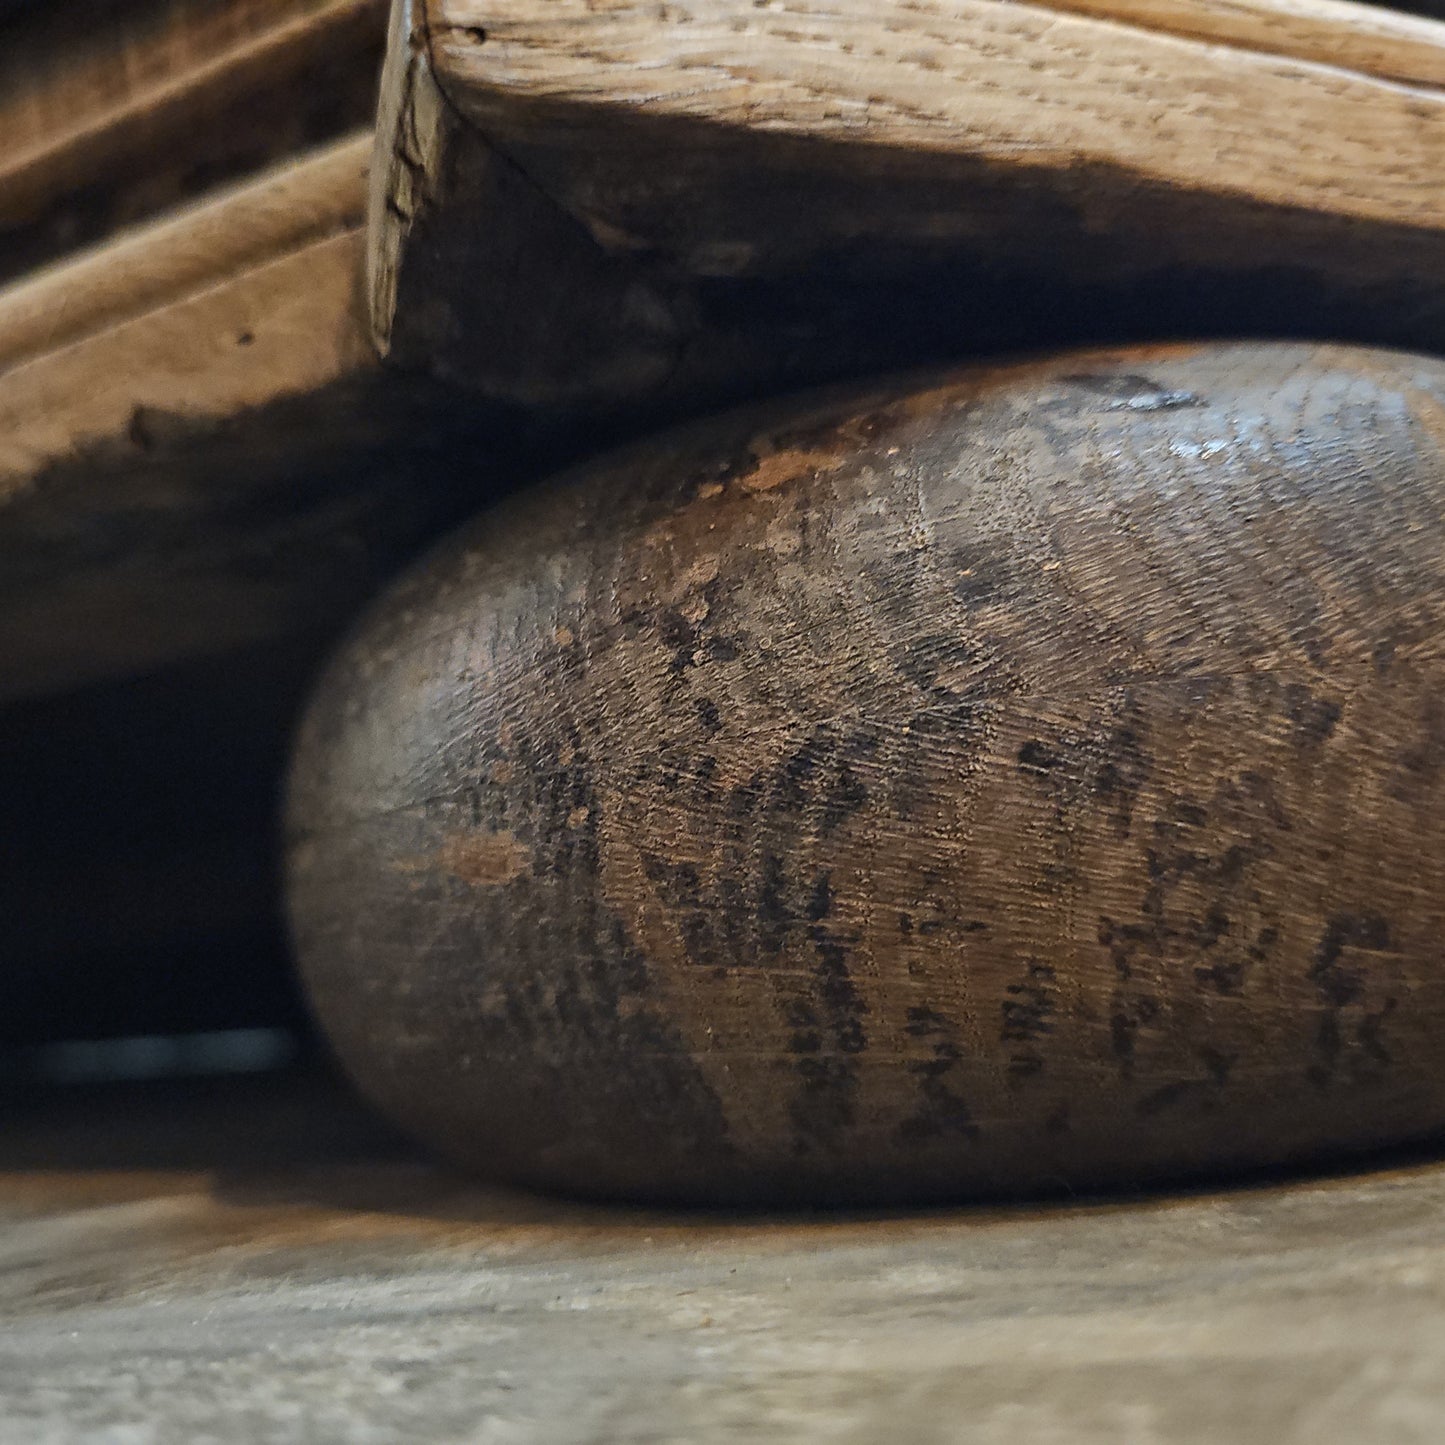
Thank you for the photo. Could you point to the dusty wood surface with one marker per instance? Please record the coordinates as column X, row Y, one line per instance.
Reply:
column 1030, row 86
column 763, row 193
column 245, row 1266
column 197, row 449
column 247, row 299
column 133, row 381
column 130, row 109
column 1371, row 39
column 996, row 780
column 315, row 199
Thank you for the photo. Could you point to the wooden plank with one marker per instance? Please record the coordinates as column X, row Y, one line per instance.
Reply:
column 62, row 104
column 1035, row 87
column 244, row 300
column 726, row 156
column 112, row 121
column 316, row 199
column 1365, row 38
column 197, row 450
column 242, row 1264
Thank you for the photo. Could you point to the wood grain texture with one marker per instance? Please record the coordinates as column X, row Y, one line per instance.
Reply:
column 112, row 121
column 498, row 287
column 758, row 167
column 245, row 1265
column 198, row 451
column 1369, row 39
column 1034, row 87
column 412, row 127
column 994, row 781
column 311, row 200
column 248, row 299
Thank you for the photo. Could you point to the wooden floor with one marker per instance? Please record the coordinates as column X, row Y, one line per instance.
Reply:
column 256, row 1262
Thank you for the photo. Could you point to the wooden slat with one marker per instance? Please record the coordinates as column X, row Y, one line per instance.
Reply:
column 198, row 451
column 1280, row 162
column 243, row 1264
column 108, row 122
column 319, row 197
column 1020, row 84
column 65, row 110
column 245, row 300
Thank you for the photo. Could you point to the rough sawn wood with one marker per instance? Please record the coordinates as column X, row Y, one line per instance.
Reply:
column 762, row 193
column 115, row 113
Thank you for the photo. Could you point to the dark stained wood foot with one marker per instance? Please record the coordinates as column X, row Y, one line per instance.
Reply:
column 993, row 781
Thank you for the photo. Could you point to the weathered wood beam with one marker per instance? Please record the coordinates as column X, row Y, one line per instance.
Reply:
column 107, row 123
column 1268, row 165
column 197, row 448
column 240, row 301
column 1023, row 85
column 1366, row 38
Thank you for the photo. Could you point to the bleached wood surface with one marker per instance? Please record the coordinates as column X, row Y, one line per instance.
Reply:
column 261, row 1273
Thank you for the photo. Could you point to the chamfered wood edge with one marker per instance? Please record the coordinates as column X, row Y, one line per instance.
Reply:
column 723, row 234
column 1013, row 84
column 411, row 133
column 466, row 253
column 70, row 109
column 291, row 206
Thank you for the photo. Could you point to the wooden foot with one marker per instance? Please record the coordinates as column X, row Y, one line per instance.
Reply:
column 992, row 781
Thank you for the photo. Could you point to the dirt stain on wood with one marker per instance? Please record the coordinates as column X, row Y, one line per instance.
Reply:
column 485, row 860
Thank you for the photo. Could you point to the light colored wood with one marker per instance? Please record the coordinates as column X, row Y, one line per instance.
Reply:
column 1366, row 38
column 294, row 207
column 1019, row 84
column 66, row 112
column 238, row 1267
column 413, row 126
column 281, row 329
column 247, row 299
column 198, row 451
column 774, row 193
